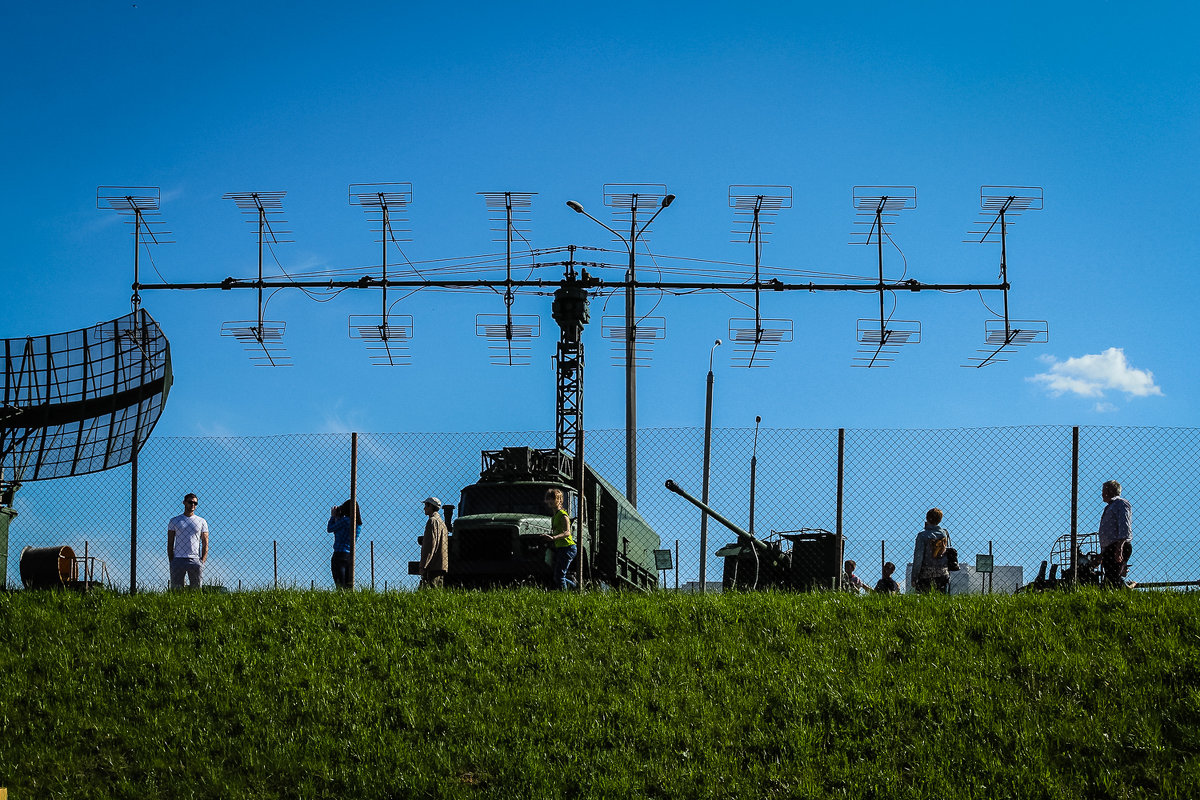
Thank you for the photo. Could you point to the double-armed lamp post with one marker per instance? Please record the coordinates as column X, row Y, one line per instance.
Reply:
column 630, row 332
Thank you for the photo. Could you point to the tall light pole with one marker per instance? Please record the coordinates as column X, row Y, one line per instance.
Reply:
column 630, row 332
column 707, row 450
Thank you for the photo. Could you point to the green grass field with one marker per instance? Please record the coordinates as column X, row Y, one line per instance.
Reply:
column 533, row 694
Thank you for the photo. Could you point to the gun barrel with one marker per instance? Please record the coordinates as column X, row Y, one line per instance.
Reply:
column 756, row 542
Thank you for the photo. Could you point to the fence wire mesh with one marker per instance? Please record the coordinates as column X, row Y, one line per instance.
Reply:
column 1004, row 491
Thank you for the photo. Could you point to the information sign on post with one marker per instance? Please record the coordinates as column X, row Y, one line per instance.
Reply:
column 662, row 559
column 983, row 563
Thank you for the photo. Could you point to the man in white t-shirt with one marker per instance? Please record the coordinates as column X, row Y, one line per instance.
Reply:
column 187, row 544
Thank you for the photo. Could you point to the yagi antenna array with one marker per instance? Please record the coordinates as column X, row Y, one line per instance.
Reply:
column 387, row 341
column 755, row 341
column 879, row 340
column 387, row 335
column 139, row 205
column 879, row 206
column 635, row 205
column 999, row 206
column 648, row 329
column 509, row 335
column 261, row 338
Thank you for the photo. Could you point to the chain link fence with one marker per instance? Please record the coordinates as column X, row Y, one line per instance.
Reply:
column 1004, row 491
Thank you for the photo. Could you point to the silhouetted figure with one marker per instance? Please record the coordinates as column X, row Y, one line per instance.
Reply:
column 930, row 569
column 851, row 582
column 887, row 584
column 1116, row 535
column 435, row 546
column 339, row 525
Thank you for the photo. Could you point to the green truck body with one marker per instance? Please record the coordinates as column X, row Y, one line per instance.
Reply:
column 497, row 539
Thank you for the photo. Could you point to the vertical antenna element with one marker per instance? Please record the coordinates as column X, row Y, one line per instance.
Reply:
column 387, row 335
column 140, row 207
column 509, row 336
column 999, row 206
column 261, row 338
column 879, row 340
column 755, row 341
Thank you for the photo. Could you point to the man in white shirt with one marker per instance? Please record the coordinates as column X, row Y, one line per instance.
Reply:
column 187, row 544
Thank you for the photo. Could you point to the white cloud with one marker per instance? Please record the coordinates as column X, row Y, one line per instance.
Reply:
column 339, row 419
column 1093, row 375
column 1105, row 408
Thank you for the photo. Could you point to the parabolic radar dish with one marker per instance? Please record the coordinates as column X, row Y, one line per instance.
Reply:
column 81, row 401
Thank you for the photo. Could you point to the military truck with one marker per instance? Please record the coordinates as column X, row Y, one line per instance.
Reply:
column 497, row 538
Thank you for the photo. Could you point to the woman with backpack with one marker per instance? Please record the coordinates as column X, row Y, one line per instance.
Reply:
column 930, row 569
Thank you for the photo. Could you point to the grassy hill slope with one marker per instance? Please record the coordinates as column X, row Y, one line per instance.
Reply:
column 530, row 694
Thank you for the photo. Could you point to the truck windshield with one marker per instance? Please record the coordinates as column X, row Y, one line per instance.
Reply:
column 483, row 498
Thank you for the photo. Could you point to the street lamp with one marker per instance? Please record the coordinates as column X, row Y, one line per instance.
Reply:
column 630, row 332
column 707, row 451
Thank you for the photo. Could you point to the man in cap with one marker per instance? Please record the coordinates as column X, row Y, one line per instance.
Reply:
column 435, row 546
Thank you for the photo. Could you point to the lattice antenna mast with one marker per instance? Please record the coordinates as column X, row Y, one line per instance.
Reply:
column 509, row 336
column 755, row 206
column 880, row 341
column 263, row 339
column 386, row 204
column 999, row 206
column 140, row 207
column 570, row 311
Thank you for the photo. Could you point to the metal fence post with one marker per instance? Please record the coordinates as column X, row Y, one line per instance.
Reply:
column 841, row 472
column 275, row 559
column 677, row 565
column 1074, row 503
column 353, row 503
column 993, row 572
column 133, row 501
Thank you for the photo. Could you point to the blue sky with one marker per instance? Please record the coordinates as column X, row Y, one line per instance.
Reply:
column 1097, row 103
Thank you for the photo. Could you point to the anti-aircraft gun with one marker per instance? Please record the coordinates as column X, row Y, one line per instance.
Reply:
column 497, row 539
column 1087, row 563
column 811, row 559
